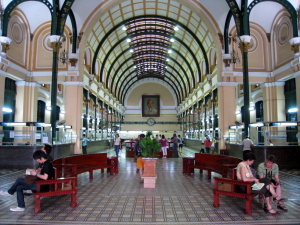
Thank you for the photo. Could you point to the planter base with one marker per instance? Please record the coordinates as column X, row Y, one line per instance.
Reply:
column 149, row 182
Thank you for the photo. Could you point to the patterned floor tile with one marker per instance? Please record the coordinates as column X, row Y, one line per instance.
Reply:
column 121, row 199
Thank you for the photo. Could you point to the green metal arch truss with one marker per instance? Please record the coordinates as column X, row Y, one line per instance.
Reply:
column 175, row 21
column 191, row 71
column 122, row 84
column 236, row 12
column 170, row 66
column 138, row 80
column 110, row 51
column 13, row 4
column 286, row 4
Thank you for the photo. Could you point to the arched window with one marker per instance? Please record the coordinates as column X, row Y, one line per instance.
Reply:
column 41, row 107
column 259, row 111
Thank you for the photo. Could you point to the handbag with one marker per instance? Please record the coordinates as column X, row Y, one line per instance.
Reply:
column 30, row 179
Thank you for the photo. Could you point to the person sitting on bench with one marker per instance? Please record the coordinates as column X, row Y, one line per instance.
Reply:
column 270, row 170
column 20, row 185
column 244, row 173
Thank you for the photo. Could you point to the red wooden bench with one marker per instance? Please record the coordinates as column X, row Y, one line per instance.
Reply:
column 217, row 163
column 228, row 187
column 55, row 187
column 74, row 165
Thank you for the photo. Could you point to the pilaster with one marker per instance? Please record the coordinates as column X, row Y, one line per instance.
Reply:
column 227, row 108
column 274, row 101
column 73, row 110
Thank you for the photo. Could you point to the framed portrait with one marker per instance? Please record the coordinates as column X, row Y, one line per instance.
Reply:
column 150, row 106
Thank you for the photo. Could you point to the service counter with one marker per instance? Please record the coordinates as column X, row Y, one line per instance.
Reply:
column 194, row 144
column 129, row 147
column 97, row 146
column 288, row 157
column 20, row 156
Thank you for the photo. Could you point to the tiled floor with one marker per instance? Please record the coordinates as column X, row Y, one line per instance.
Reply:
column 121, row 199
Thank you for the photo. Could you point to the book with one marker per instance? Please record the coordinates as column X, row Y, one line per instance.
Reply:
column 28, row 171
column 257, row 187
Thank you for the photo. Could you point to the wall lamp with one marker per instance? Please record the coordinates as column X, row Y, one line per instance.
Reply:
column 8, row 110
column 251, row 108
column 293, row 110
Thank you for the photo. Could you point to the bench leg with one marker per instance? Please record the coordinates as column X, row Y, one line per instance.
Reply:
column 112, row 171
column 216, row 200
column 73, row 199
column 37, row 208
column 91, row 174
column 248, row 209
column 102, row 170
column 209, row 174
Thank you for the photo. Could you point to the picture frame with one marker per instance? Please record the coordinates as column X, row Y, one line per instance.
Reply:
column 150, row 106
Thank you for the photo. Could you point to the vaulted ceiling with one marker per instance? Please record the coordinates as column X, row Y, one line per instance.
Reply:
column 163, row 40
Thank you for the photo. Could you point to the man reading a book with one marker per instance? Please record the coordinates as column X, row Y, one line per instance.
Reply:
column 20, row 185
column 270, row 170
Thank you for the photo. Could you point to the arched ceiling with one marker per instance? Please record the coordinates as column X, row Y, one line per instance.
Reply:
column 168, row 42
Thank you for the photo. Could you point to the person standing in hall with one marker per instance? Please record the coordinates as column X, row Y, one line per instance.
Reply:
column 207, row 144
column 84, row 144
column 117, row 143
column 164, row 147
column 247, row 143
column 175, row 145
column 180, row 144
column 139, row 162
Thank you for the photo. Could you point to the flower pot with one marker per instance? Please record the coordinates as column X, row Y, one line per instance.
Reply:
column 149, row 174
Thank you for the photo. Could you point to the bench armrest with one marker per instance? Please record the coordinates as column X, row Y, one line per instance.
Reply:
column 218, row 180
column 55, row 182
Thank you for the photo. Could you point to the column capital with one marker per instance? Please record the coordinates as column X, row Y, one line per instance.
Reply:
column 5, row 42
column 245, row 42
column 227, row 59
column 73, row 58
column 295, row 43
column 55, row 42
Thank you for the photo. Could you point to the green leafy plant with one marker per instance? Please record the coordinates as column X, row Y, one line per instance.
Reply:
column 151, row 147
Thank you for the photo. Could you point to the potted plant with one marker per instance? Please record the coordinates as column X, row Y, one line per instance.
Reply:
column 151, row 147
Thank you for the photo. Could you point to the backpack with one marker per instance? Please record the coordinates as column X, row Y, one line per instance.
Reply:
column 138, row 149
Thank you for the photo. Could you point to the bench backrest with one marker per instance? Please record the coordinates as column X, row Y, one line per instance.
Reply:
column 98, row 158
column 214, row 162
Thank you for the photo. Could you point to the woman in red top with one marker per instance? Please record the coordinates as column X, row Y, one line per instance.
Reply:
column 163, row 142
column 207, row 144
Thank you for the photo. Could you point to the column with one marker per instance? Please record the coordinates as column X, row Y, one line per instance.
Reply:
column 227, row 108
column 2, row 88
column 73, row 110
column 274, row 101
column 26, row 108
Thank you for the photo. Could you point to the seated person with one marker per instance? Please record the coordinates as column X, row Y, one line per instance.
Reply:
column 20, row 184
column 270, row 170
column 244, row 173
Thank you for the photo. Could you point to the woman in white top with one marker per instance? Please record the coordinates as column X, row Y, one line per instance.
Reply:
column 117, row 143
column 244, row 173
